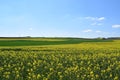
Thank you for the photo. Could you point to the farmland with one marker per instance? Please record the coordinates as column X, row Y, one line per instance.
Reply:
column 59, row 59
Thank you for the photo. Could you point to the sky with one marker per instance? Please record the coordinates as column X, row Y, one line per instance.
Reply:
column 60, row 18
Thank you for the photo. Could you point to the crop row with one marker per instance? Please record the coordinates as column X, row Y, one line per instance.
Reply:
column 60, row 64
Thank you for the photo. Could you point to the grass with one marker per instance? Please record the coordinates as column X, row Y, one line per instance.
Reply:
column 44, row 41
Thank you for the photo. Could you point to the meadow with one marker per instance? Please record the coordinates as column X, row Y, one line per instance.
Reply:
column 59, row 59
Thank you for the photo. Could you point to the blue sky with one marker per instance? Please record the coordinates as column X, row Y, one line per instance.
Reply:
column 60, row 18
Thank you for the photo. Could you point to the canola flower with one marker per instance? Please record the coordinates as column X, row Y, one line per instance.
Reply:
column 91, row 62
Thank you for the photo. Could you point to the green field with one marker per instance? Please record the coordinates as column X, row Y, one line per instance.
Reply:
column 59, row 59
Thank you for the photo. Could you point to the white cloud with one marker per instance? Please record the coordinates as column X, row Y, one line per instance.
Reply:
column 96, row 24
column 95, row 21
column 101, row 18
column 95, row 18
column 90, row 18
column 88, row 30
column 116, row 26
